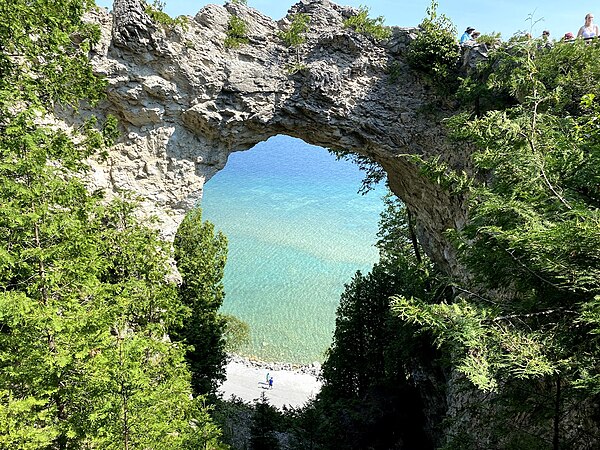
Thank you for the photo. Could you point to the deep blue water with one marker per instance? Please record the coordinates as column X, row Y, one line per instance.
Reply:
column 298, row 230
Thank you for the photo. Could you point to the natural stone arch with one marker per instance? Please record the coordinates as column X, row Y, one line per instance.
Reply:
column 186, row 102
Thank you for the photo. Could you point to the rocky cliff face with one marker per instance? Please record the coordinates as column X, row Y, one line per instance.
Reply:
column 185, row 102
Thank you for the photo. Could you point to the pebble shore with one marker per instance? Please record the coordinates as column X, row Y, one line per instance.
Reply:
column 313, row 369
column 294, row 384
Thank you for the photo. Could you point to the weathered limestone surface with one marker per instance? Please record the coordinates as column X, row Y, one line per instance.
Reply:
column 186, row 102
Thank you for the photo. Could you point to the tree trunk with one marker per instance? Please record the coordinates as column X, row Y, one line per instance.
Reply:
column 555, row 438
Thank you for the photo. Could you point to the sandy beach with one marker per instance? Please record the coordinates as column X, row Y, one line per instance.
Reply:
column 292, row 386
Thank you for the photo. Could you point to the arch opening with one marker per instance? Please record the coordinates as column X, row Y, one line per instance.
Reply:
column 298, row 231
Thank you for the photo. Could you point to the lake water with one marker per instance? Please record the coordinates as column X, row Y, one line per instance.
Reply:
column 297, row 230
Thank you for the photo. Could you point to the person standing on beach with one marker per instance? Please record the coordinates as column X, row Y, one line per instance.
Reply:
column 271, row 383
column 267, row 377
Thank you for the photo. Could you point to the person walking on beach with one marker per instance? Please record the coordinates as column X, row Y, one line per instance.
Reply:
column 267, row 377
column 271, row 383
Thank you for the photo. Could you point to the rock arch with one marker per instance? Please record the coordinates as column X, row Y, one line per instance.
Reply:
column 186, row 102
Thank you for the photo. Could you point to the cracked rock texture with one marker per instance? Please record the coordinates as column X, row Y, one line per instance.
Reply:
column 185, row 102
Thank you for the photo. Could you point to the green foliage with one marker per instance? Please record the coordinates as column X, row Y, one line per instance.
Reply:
column 566, row 70
column 201, row 254
column 291, row 69
column 63, row 75
column 239, row 2
column 442, row 174
column 533, row 239
column 157, row 14
column 491, row 40
column 435, row 52
column 295, row 34
column 264, row 423
column 237, row 32
column 236, row 333
column 363, row 24
column 85, row 305
column 481, row 337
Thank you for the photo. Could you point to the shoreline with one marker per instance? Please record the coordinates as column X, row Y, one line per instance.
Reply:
column 312, row 369
column 293, row 384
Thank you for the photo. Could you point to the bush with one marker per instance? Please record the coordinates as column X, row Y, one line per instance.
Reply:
column 363, row 24
column 491, row 40
column 156, row 13
column 237, row 32
column 435, row 51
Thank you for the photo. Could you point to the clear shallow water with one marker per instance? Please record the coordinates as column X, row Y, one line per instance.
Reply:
column 297, row 232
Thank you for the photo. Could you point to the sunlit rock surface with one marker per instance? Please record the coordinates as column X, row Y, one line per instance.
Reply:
column 186, row 102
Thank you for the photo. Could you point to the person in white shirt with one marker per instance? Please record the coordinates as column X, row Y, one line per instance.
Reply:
column 589, row 30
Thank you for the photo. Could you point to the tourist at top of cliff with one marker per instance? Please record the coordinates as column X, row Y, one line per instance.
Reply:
column 467, row 35
column 568, row 36
column 475, row 35
column 589, row 29
column 545, row 41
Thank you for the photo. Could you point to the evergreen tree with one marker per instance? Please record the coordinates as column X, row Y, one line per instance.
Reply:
column 366, row 393
column 366, row 331
column 201, row 255
column 85, row 307
column 264, row 423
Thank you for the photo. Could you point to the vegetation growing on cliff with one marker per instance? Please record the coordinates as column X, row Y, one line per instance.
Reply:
column 85, row 304
column 156, row 12
column 532, row 241
column 237, row 32
column 362, row 23
column 435, row 51
column 294, row 36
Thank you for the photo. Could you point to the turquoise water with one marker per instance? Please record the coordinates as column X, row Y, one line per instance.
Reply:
column 297, row 231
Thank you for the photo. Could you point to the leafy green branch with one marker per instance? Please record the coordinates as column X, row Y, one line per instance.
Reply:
column 363, row 24
column 485, row 343
column 442, row 174
column 157, row 14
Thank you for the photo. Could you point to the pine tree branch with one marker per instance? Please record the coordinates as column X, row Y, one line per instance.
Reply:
column 535, row 314
column 531, row 271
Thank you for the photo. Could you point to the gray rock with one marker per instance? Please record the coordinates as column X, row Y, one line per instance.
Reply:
column 186, row 102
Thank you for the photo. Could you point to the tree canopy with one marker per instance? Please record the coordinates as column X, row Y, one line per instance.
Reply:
column 85, row 305
column 532, row 243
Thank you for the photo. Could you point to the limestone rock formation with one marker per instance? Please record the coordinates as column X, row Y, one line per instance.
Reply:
column 185, row 102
